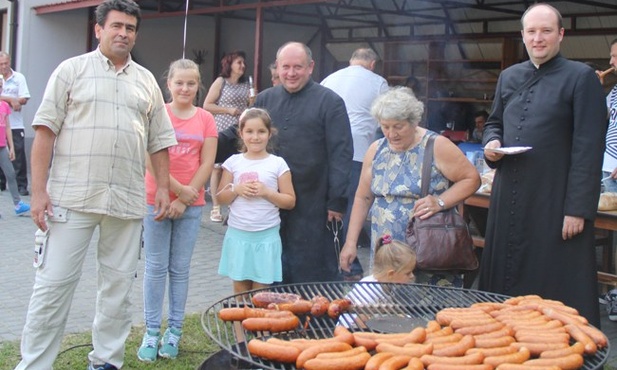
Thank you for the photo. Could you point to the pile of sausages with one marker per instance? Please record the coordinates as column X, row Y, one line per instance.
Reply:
column 277, row 312
column 525, row 332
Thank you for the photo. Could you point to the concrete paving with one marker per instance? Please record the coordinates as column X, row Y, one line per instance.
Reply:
column 16, row 253
column 17, row 250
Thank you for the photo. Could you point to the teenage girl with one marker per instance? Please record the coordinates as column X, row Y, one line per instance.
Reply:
column 169, row 243
column 255, row 184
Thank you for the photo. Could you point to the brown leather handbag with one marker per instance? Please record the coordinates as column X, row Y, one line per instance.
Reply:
column 441, row 242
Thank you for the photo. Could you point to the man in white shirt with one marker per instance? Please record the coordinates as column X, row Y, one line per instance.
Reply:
column 15, row 92
column 358, row 85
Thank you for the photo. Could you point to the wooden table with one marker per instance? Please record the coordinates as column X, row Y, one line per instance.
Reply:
column 604, row 220
column 476, row 208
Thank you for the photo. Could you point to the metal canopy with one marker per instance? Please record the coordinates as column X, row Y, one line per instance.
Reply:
column 374, row 20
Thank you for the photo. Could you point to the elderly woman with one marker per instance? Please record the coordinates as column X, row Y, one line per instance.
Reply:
column 391, row 174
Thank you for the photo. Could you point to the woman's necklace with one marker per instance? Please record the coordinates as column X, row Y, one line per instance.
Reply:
column 404, row 159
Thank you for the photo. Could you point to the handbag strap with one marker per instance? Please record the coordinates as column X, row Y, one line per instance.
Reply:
column 427, row 163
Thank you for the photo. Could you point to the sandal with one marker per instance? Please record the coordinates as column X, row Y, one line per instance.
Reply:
column 215, row 214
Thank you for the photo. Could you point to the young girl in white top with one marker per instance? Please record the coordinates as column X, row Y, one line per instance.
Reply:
column 394, row 262
column 255, row 184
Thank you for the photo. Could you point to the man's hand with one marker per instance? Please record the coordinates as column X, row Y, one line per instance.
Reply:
column 40, row 206
column 572, row 226
column 15, row 105
column 332, row 216
column 492, row 156
column 161, row 204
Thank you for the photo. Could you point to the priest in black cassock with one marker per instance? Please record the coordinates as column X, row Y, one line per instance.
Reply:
column 540, row 231
column 314, row 138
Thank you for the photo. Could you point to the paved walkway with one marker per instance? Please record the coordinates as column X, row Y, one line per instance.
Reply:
column 16, row 253
column 17, row 250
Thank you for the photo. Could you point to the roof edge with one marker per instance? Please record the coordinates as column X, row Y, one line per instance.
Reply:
column 67, row 5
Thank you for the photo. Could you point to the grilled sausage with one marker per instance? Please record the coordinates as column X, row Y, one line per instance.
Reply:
column 271, row 324
column 414, row 364
column 313, row 351
column 377, row 359
column 494, row 342
column 537, row 348
column 580, row 336
column 439, row 366
column 569, row 362
column 241, row 313
column 338, row 306
column 263, row 299
column 543, row 337
column 577, row 347
column 342, row 334
column 320, row 305
column 525, row 367
column 564, row 317
column 417, row 335
column 273, row 352
column 456, row 349
column 512, row 358
column 504, row 331
column 367, row 342
column 350, row 352
column 596, row 335
column 395, row 362
column 495, row 351
column 481, row 329
column 471, row 359
column 464, row 322
column 299, row 307
column 232, row 314
column 432, row 326
column 413, row 349
column 454, row 337
column 356, row 362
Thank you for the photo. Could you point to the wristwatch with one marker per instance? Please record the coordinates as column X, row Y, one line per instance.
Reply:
column 441, row 204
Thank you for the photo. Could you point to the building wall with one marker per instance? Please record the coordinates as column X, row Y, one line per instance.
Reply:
column 45, row 40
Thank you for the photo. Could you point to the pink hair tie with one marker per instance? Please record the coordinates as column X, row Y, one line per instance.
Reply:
column 386, row 239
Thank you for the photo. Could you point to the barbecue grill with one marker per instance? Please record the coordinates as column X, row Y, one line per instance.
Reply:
column 377, row 307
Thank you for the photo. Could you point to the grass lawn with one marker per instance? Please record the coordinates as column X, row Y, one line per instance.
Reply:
column 195, row 347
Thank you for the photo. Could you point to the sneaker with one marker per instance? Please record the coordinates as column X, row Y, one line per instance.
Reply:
column 92, row 366
column 22, row 208
column 149, row 346
column 611, row 309
column 169, row 343
column 610, row 296
column 611, row 304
